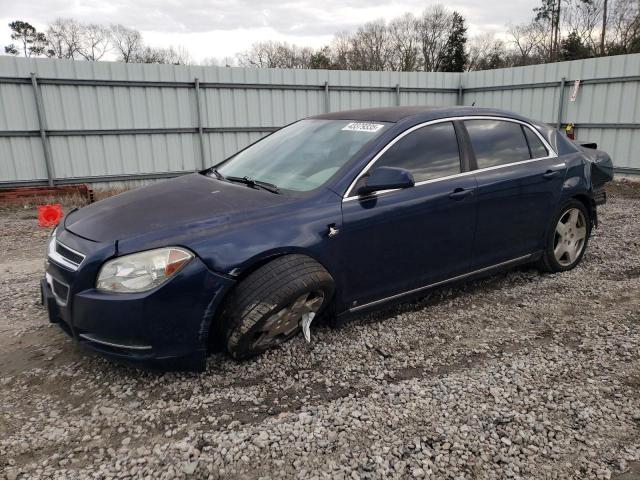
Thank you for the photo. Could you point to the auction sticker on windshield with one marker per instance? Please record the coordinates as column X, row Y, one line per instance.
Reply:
column 363, row 127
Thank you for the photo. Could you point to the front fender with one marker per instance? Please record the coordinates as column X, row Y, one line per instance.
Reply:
column 266, row 256
column 303, row 229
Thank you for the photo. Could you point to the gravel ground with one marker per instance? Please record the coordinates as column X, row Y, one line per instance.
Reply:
column 519, row 375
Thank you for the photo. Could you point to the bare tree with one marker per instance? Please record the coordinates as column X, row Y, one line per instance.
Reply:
column 171, row 55
column 548, row 15
column 95, row 41
column 339, row 49
column 624, row 27
column 178, row 55
column 292, row 56
column 63, row 36
column 487, row 52
column 405, row 43
column 434, row 33
column 531, row 42
column 370, row 47
column 126, row 41
column 276, row 55
column 556, row 38
column 218, row 62
column 582, row 19
column 522, row 41
column 479, row 48
column 604, row 27
column 261, row 55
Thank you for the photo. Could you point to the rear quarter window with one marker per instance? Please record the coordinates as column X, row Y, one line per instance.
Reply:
column 538, row 150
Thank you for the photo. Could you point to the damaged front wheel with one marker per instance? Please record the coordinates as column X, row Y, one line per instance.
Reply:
column 275, row 303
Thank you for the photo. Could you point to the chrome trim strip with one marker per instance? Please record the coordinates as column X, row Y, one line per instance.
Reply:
column 431, row 285
column 60, row 301
column 91, row 338
column 552, row 153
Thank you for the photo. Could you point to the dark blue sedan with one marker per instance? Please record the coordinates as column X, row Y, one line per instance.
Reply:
column 333, row 214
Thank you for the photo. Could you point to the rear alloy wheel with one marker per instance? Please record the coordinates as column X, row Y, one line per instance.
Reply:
column 269, row 306
column 568, row 238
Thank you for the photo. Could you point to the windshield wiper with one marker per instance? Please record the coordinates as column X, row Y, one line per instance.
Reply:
column 270, row 187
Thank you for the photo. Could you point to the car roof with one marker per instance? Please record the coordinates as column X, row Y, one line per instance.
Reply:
column 419, row 113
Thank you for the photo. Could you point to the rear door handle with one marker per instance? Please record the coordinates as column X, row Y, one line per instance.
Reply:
column 549, row 174
column 460, row 193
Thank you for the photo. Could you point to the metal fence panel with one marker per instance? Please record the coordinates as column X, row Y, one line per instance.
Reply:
column 18, row 109
column 21, row 158
column 114, row 120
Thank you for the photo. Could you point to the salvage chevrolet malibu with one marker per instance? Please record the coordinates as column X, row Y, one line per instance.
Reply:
column 334, row 214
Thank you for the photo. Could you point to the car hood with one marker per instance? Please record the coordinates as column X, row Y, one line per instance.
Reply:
column 168, row 206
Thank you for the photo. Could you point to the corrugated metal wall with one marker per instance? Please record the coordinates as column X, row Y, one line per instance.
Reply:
column 100, row 122
column 113, row 120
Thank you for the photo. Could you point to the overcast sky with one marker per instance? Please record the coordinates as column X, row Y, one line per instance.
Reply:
column 218, row 28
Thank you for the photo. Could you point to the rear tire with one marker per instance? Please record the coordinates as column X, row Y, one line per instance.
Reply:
column 567, row 238
column 266, row 308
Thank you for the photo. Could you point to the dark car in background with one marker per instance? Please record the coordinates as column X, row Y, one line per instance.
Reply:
column 338, row 213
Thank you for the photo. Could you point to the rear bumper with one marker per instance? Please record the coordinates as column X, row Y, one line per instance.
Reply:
column 167, row 327
column 599, row 195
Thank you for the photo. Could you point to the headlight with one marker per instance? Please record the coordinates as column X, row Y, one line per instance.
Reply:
column 51, row 246
column 142, row 271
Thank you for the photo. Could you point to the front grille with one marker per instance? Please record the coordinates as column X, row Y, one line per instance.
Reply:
column 64, row 256
column 71, row 255
column 60, row 290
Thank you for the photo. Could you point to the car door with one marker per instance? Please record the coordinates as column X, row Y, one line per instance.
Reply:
column 400, row 240
column 519, row 181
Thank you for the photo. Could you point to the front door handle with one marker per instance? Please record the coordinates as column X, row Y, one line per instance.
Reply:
column 460, row 193
column 549, row 174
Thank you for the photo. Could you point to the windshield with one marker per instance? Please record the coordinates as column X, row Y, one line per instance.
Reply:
column 304, row 155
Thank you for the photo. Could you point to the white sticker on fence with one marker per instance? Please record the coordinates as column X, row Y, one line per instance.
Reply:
column 574, row 91
column 363, row 127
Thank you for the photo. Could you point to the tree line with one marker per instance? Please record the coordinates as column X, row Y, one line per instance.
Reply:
column 560, row 30
column 436, row 41
column 70, row 39
column 433, row 41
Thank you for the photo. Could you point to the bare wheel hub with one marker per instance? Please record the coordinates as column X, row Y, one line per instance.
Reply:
column 286, row 322
column 570, row 237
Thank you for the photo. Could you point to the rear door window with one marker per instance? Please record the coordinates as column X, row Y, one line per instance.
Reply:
column 497, row 142
column 429, row 152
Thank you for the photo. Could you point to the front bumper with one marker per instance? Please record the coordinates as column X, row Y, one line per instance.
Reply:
column 166, row 327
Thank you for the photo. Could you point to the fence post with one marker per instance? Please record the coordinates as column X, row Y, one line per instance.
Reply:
column 398, row 94
column 327, row 105
column 200, row 130
column 561, row 103
column 43, row 129
column 460, row 93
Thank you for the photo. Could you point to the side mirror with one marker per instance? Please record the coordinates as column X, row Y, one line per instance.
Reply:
column 385, row 178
